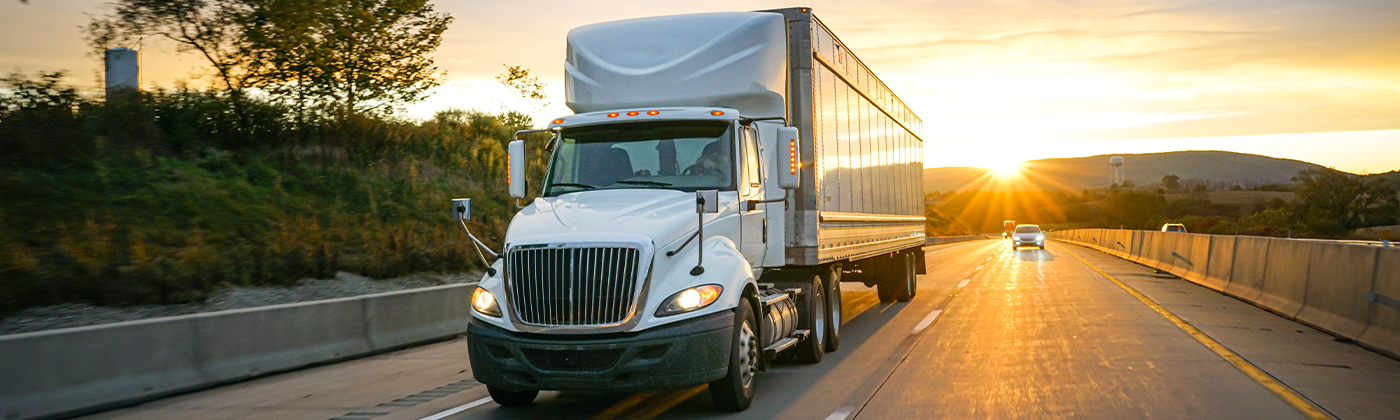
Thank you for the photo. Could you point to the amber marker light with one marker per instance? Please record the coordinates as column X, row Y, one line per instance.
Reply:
column 633, row 113
column 653, row 112
column 559, row 121
column 717, row 113
column 792, row 156
column 612, row 115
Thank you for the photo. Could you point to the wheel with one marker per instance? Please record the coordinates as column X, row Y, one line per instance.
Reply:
column 833, row 308
column 735, row 390
column 814, row 320
column 512, row 398
column 910, row 280
column 891, row 278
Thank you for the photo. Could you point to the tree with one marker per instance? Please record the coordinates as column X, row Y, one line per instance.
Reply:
column 356, row 56
column 1171, row 183
column 529, row 88
column 1335, row 202
column 348, row 56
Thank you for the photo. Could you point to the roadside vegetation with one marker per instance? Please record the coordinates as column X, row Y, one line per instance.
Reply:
column 1317, row 204
column 294, row 164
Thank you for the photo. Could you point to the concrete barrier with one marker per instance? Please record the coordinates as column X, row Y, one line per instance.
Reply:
column 50, row 373
column 1339, row 277
column 1220, row 262
column 1122, row 243
column 1247, row 268
column 1286, row 276
column 443, row 312
column 66, row 372
column 249, row 342
column 1165, row 250
column 1192, row 256
column 1142, row 252
column 1383, row 330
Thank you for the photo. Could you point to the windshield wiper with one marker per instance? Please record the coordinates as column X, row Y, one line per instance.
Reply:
column 570, row 184
column 656, row 183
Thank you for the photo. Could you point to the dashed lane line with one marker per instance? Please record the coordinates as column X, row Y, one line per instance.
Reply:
column 964, row 283
column 928, row 320
column 458, row 409
column 840, row 413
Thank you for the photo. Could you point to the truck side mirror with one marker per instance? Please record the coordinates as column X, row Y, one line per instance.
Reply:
column 515, row 165
column 790, row 168
column 462, row 209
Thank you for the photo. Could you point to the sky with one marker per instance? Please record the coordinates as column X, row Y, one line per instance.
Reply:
column 995, row 82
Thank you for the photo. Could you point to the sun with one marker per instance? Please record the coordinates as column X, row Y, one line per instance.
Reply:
column 1006, row 168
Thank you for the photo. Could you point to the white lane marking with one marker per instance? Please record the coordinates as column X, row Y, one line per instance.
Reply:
column 458, row 409
column 840, row 414
column 964, row 283
column 927, row 320
column 980, row 267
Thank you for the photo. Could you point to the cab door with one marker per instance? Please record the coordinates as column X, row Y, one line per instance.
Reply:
column 753, row 222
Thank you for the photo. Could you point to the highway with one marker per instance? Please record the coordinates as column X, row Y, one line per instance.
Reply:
column 993, row 333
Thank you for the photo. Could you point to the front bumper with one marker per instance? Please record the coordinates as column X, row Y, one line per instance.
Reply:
column 1021, row 243
column 674, row 356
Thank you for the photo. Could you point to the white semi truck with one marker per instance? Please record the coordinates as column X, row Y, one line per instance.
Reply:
column 722, row 174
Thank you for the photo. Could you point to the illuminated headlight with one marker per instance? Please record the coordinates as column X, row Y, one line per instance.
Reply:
column 484, row 302
column 1039, row 237
column 689, row 300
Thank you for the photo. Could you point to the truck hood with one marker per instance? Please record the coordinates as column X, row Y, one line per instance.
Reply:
column 662, row 215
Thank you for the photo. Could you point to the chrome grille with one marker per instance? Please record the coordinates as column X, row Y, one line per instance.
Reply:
column 572, row 286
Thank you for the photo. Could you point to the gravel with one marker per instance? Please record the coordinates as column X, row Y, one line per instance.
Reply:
column 343, row 285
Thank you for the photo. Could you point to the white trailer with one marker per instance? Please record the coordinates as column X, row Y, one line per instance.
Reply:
column 722, row 174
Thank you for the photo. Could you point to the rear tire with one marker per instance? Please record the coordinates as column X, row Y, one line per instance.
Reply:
column 814, row 320
column 911, row 278
column 735, row 391
column 833, row 308
column 509, row 398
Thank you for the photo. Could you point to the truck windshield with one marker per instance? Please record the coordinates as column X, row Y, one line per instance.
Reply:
column 679, row 155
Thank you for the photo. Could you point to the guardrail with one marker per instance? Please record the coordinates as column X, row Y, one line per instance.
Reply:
column 940, row 240
column 65, row 372
column 1349, row 290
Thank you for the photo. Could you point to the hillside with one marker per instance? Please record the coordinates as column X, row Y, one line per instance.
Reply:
column 1142, row 169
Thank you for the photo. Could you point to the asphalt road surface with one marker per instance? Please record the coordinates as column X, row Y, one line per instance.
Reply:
column 993, row 333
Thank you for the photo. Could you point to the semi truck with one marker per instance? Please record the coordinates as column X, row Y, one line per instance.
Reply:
column 721, row 175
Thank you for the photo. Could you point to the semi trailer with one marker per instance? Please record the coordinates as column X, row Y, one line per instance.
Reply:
column 722, row 173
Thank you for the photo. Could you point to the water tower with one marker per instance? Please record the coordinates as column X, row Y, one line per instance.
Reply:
column 123, row 71
column 1115, row 169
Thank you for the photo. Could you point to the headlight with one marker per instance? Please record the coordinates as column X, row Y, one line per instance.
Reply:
column 689, row 300
column 1039, row 237
column 484, row 302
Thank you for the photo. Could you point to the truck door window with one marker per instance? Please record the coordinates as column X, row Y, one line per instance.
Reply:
column 751, row 165
column 681, row 155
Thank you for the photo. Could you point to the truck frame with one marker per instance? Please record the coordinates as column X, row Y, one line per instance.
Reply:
column 723, row 173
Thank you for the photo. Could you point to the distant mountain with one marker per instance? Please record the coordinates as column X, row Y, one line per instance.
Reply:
column 1142, row 169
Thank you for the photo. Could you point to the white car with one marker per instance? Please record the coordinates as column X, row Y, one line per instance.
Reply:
column 1174, row 227
column 1027, row 235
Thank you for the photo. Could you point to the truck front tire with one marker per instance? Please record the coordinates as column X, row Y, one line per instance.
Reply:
column 734, row 392
column 509, row 398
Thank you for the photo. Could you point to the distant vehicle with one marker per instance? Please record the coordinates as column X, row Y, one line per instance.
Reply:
column 1027, row 235
column 1007, row 227
column 1174, row 227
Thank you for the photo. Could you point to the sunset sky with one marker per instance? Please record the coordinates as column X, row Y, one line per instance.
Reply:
column 994, row 81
